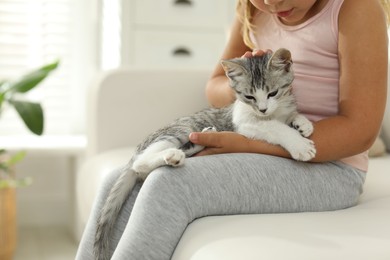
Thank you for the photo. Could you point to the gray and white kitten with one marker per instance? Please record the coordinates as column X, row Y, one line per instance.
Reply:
column 265, row 109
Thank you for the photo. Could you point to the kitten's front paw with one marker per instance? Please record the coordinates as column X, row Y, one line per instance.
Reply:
column 174, row 157
column 303, row 126
column 304, row 151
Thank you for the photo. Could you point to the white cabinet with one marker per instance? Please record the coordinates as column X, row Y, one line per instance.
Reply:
column 175, row 33
column 182, row 13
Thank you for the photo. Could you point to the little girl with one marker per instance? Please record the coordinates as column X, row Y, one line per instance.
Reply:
column 339, row 49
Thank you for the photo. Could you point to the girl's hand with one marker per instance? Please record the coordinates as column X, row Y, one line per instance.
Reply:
column 255, row 52
column 220, row 142
column 231, row 142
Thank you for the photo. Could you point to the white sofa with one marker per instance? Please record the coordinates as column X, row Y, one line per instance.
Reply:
column 125, row 105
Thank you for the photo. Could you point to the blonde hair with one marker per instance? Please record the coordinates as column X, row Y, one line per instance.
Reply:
column 386, row 8
column 246, row 10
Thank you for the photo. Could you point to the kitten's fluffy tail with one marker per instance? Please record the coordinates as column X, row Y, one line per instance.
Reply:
column 109, row 213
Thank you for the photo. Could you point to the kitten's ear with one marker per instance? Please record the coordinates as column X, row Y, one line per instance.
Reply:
column 281, row 60
column 234, row 68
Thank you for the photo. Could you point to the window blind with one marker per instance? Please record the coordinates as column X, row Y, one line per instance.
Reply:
column 33, row 33
column 111, row 34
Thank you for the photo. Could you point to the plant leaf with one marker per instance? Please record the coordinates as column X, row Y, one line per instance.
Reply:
column 16, row 158
column 4, row 184
column 1, row 99
column 31, row 114
column 32, row 79
column 2, row 83
column 11, row 183
column 4, row 167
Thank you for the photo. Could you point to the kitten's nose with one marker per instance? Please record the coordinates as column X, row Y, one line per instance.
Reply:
column 263, row 110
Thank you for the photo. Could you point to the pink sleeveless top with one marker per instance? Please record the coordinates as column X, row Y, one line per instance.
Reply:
column 314, row 48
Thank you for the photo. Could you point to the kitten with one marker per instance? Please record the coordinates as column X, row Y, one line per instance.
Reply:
column 265, row 109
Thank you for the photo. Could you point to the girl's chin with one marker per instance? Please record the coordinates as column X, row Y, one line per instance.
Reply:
column 291, row 20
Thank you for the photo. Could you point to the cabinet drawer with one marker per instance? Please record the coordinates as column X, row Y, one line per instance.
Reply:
column 159, row 49
column 183, row 13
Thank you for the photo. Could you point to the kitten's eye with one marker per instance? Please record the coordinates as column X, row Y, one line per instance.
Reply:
column 272, row 94
column 250, row 97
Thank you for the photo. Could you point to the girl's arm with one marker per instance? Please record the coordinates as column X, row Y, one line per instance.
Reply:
column 363, row 82
column 362, row 97
column 218, row 91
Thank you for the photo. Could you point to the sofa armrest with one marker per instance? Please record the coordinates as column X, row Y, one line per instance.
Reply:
column 125, row 105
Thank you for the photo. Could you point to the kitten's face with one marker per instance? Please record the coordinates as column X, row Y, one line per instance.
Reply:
column 264, row 82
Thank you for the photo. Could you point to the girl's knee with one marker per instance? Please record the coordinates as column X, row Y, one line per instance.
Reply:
column 166, row 179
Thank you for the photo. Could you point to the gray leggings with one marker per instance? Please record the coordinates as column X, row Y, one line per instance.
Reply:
column 155, row 216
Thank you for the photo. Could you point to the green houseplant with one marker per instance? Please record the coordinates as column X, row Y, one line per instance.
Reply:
column 31, row 113
column 11, row 94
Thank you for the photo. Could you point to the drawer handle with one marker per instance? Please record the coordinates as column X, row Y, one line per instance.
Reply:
column 181, row 51
column 183, row 2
